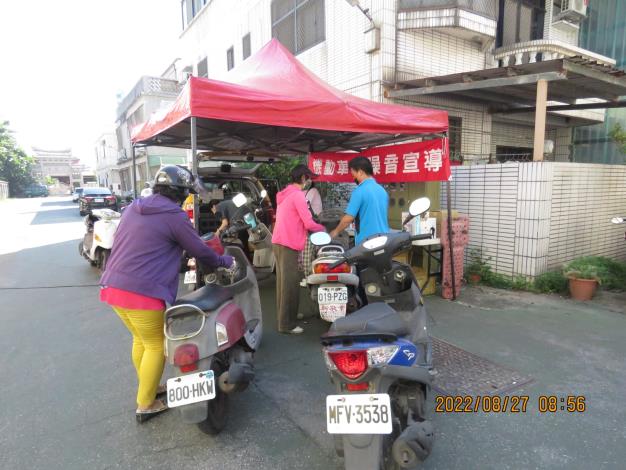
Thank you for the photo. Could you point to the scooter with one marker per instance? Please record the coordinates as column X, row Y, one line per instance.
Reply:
column 380, row 360
column 96, row 245
column 211, row 336
column 334, row 290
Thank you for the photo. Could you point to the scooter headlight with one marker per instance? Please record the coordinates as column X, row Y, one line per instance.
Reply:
column 381, row 355
column 221, row 334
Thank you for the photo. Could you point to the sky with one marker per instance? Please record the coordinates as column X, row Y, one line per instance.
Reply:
column 64, row 62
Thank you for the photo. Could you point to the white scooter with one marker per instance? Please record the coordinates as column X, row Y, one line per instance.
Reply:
column 98, row 240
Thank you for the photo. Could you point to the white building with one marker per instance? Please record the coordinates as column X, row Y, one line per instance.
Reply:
column 492, row 64
column 107, row 154
column 150, row 95
column 60, row 165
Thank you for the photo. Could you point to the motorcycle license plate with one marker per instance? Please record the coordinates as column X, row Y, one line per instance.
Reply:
column 190, row 277
column 192, row 388
column 332, row 295
column 358, row 414
column 98, row 199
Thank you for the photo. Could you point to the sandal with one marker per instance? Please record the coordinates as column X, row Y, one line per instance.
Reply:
column 144, row 415
column 161, row 390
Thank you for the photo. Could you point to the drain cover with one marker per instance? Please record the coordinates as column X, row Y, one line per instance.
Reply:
column 460, row 372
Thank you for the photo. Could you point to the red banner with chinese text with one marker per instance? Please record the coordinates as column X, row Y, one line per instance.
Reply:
column 417, row 161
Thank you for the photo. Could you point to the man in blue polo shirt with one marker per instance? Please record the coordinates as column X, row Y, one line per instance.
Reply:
column 368, row 203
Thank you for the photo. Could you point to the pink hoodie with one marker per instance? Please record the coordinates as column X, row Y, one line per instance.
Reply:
column 293, row 219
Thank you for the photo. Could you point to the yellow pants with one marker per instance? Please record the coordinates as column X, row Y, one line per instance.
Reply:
column 146, row 326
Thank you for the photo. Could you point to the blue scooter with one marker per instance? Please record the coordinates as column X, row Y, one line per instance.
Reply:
column 380, row 360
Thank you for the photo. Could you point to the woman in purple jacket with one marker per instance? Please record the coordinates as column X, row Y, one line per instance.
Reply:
column 142, row 274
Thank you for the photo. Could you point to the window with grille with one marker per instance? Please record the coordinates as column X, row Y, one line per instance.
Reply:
column 230, row 58
column 245, row 46
column 203, row 68
column 454, row 136
column 190, row 8
column 298, row 24
column 513, row 154
column 520, row 21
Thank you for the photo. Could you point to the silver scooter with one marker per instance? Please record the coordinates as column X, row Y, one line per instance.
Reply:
column 211, row 337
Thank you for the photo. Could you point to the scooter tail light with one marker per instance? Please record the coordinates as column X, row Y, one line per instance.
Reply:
column 352, row 364
column 324, row 268
column 186, row 357
column 360, row 387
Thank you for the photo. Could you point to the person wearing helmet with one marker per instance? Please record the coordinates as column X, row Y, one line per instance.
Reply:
column 142, row 274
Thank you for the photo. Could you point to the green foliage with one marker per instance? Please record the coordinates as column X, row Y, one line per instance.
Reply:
column 610, row 273
column 50, row 180
column 478, row 265
column 15, row 165
column 280, row 170
column 552, row 282
column 618, row 135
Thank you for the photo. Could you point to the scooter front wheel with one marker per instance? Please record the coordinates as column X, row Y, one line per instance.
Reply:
column 217, row 414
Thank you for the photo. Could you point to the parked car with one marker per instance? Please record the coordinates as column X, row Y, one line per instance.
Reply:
column 224, row 182
column 96, row 198
column 35, row 190
column 78, row 192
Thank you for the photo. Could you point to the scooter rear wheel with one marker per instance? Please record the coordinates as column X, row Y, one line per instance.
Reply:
column 217, row 414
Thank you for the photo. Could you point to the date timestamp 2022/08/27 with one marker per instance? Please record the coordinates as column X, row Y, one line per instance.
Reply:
column 509, row 404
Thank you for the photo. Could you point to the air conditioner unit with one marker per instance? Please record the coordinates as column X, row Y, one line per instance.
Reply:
column 574, row 10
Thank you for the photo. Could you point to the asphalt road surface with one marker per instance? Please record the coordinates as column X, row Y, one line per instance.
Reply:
column 67, row 386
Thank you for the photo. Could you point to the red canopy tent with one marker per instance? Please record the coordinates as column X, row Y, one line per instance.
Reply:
column 275, row 105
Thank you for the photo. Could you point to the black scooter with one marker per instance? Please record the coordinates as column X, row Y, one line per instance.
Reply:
column 380, row 360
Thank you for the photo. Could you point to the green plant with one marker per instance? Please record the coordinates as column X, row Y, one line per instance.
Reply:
column 552, row 282
column 280, row 170
column 478, row 265
column 618, row 135
column 610, row 273
column 586, row 272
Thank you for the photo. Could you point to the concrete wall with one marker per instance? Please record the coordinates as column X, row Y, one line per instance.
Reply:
column 4, row 190
column 533, row 217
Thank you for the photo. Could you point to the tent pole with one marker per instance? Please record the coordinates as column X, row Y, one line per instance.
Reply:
column 449, row 207
column 134, row 172
column 194, row 168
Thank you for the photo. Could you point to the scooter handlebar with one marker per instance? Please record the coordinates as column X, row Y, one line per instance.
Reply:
column 422, row 236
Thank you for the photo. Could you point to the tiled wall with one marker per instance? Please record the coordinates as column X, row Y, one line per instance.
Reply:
column 584, row 199
column 429, row 53
column 527, row 218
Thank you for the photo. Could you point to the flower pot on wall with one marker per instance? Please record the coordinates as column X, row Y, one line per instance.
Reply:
column 582, row 289
column 474, row 278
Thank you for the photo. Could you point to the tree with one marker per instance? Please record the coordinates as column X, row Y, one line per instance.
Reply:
column 15, row 165
column 618, row 135
column 280, row 170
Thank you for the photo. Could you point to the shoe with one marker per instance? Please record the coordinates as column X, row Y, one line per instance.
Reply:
column 296, row 331
column 144, row 415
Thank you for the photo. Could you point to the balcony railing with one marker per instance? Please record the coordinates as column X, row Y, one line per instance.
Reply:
column 543, row 50
column 149, row 86
column 485, row 8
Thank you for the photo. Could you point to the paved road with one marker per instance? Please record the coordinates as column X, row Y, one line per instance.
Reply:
column 67, row 385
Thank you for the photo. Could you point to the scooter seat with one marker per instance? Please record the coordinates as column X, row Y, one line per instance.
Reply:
column 371, row 319
column 206, row 298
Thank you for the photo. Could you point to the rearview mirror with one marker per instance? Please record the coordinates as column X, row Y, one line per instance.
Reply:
column 239, row 200
column 419, row 206
column 617, row 220
column 320, row 238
